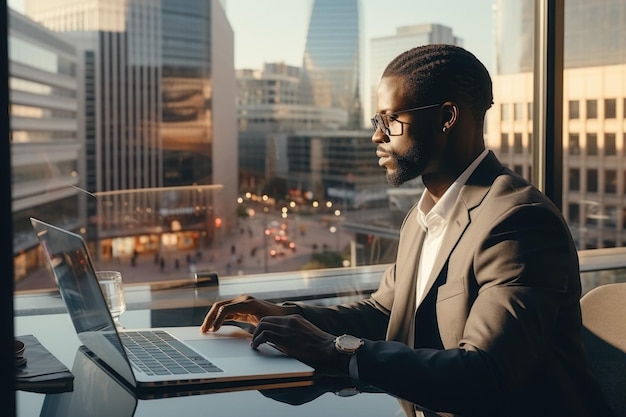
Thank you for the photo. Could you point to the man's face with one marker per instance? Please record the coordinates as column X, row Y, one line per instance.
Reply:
column 409, row 154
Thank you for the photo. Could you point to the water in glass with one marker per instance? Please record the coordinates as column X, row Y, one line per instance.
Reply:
column 111, row 285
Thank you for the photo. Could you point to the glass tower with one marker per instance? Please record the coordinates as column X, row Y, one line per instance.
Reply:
column 332, row 58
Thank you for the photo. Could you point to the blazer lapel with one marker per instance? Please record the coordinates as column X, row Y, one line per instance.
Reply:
column 403, row 313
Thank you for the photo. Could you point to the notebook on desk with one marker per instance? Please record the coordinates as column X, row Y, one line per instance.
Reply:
column 221, row 359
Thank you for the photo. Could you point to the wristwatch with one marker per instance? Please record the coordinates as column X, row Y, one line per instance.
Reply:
column 348, row 344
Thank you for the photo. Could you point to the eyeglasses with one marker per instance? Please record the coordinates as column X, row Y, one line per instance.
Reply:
column 389, row 124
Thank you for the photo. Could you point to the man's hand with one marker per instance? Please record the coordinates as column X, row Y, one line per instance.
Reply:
column 299, row 338
column 245, row 309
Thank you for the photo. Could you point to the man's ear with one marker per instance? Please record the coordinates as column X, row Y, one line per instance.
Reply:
column 450, row 114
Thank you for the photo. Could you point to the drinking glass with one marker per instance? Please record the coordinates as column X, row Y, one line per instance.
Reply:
column 111, row 285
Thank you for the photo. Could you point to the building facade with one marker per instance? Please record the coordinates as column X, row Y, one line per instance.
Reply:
column 339, row 166
column 594, row 94
column 45, row 141
column 269, row 105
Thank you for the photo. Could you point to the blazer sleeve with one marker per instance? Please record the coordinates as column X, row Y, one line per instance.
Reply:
column 366, row 319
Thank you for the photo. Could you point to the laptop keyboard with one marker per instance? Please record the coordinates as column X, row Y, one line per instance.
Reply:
column 156, row 352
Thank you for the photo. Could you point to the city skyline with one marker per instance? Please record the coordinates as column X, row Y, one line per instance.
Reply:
column 253, row 34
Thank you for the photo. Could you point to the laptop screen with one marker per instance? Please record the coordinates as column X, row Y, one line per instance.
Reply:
column 75, row 276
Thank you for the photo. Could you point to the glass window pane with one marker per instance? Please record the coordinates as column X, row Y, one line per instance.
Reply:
column 610, row 145
column 591, row 109
column 183, row 152
column 594, row 59
column 592, row 144
column 574, row 111
column 610, row 109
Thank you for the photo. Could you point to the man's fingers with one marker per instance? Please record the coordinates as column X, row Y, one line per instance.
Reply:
column 267, row 336
column 238, row 309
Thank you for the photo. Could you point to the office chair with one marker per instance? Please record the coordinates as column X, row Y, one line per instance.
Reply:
column 604, row 335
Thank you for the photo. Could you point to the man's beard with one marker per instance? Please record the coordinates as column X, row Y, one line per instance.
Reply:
column 409, row 166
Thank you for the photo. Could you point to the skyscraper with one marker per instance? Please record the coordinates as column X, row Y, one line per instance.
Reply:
column 154, row 117
column 330, row 68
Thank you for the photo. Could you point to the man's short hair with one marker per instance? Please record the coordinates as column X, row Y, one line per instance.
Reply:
column 439, row 73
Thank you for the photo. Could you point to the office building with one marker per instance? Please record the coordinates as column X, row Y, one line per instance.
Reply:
column 46, row 147
column 594, row 94
column 335, row 165
column 331, row 64
column 156, row 124
column 296, row 149
column 269, row 105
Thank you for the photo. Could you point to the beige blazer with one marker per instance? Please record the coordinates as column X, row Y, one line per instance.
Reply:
column 499, row 329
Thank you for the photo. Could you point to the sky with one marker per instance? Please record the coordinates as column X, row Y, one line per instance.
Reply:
column 260, row 26
column 276, row 30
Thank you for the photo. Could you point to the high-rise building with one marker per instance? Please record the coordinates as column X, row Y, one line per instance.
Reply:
column 45, row 144
column 594, row 34
column 386, row 48
column 594, row 110
column 154, row 117
column 331, row 64
column 269, row 105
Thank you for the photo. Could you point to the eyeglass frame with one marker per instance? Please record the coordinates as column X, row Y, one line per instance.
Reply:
column 384, row 126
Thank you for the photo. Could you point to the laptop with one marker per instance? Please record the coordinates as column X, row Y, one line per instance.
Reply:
column 222, row 359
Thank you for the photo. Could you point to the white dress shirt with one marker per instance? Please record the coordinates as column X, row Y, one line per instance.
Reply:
column 433, row 217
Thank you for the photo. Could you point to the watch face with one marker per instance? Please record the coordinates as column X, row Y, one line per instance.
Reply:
column 348, row 343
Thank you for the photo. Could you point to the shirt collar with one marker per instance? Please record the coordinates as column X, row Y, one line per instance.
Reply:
column 431, row 215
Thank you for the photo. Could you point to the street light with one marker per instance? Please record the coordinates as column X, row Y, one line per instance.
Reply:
column 333, row 229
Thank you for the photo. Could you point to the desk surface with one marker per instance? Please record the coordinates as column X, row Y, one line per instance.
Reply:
column 96, row 394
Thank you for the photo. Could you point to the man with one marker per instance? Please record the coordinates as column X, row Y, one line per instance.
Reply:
column 480, row 313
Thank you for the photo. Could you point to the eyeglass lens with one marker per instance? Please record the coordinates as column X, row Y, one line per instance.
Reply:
column 379, row 122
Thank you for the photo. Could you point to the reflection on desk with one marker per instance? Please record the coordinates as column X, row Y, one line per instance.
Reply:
column 98, row 394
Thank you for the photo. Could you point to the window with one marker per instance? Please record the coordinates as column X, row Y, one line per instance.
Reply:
column 574, row 179
column 610, row 147
column 610, row 108
column 610, row 220
column 591, row 109
column 610, row 181
column 574, row 110
column 504, row 143
column 518, row 146
column 574, row 144
column 275, row 162
column 592, row 180
column 592, row 144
